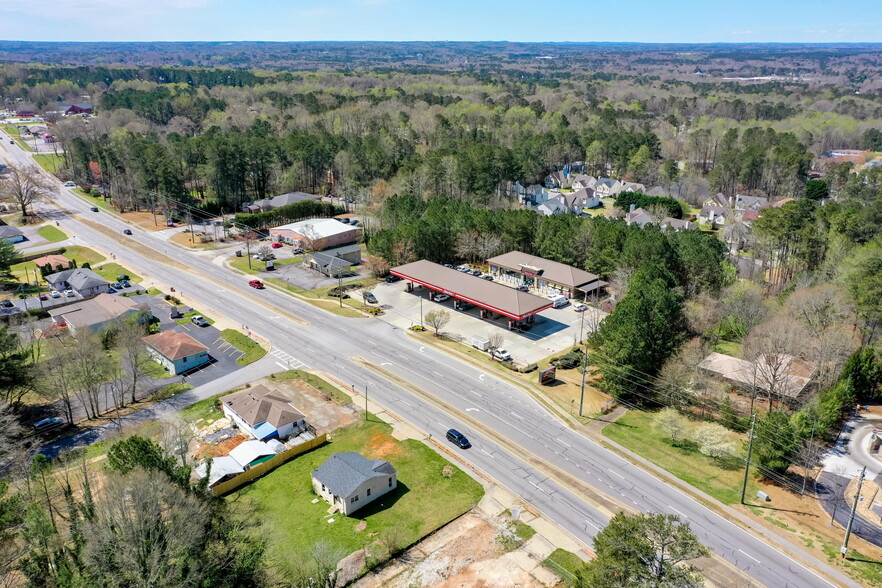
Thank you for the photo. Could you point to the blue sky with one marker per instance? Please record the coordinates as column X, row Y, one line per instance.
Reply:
column 454, row 20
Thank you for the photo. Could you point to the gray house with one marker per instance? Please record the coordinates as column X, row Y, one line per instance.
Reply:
column 349, row 480
column 82, row 281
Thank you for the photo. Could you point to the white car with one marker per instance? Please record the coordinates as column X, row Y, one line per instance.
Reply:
column 579, row 307
column 69, row 293
column 55, row 294
column 69, row 184
column 441, row 297
column 501, row 355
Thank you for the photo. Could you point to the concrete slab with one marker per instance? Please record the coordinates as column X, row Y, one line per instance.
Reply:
column 539, row 547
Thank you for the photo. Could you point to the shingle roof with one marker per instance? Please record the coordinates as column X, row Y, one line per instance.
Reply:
column 559, row 273
column 78, row 278
column 174, row 345
column 52, row 260
column 343, row 473
column 259, row 404
column 100, row 309
column 7, row 231
column 797, row 372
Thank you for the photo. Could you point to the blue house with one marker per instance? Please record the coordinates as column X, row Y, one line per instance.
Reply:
column 11, row 234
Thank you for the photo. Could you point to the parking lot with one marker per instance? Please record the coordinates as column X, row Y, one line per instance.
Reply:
column 555, row 330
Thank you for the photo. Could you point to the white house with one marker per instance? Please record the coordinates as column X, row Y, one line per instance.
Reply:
column 263, row 413
column 607, row 187
column 176, row 352
column 350, row 481
column 584, row 181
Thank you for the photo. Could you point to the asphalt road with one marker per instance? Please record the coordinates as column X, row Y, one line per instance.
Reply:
column 330, row 343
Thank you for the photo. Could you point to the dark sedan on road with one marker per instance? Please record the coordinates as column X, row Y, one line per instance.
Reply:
column 458, row 439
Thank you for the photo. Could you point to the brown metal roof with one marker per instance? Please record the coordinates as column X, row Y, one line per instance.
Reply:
column 484, row 293
column 553, row 271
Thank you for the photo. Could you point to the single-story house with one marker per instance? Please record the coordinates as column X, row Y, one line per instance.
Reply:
column 547, row 277
column 11, row 234
column 53, row 261
column 222, row 469
column 282, row 200
column 316, row 234
column 250, row 453
column 83, row 281
column 330, row 265
column 788, row 376
column 176, row 352
column 72, row 109
column 350, row 481
column 263, row 413
column 98, row 313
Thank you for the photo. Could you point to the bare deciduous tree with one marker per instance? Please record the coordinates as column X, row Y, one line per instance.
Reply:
column 771, row 348
column 133, row 356
column 24, row 185
column 495, row 341
column 437, row 319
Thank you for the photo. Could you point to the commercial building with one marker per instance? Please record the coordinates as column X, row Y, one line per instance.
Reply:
column 489, row 296
column 549, row 278
column 176, row 352
column 316, row 234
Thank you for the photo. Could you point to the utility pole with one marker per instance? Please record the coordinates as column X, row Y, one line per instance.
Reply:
column 153, row 207
column 248, row 248
column 809, row 446
column 844, row 549
column 365, row 402
column 584, row 371
column 749, row 455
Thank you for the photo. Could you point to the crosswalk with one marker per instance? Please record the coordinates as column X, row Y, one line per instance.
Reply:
column 287, row 361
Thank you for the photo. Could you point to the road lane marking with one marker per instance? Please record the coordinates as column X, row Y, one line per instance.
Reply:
column 517, row 416
column 617, row 474
column 679, row 513
column 281, row 365
column 750, row 556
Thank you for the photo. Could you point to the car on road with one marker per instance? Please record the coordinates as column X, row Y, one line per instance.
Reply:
column 199, row 320
column 8, row 304
column 458, row 439
column 50, row 423
column 390, row 279
column 441, row 297
column 43, row 296
column 579, row 307
column 501, row 355
column 55, row 294
column 69, row 293
column 370, row 298
column 94, row 209
column 69, row 184
column 256, row 284
column 127, row 231
column 276, row 245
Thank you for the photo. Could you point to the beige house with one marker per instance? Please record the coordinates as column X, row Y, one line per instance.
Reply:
column 787, row 377
column 97, row 314
column 349, row 480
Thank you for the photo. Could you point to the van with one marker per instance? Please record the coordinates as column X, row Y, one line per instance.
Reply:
column 559, row 301
column 458, row 439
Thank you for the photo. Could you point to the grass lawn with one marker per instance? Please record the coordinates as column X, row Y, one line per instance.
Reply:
column 732, row 348
column 49, row 161
column 171, row 391
column 316, row 382
column 635, row 431
column 152, row 369
column 243, row 343
column 188, row 315
column 561, row 559
column 100, row 201
column 51, row 234
column 83, row 255
column 109, row 271
column 281, row 501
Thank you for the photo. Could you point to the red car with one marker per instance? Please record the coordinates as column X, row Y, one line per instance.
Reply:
column 256, row 284
column 276, row 245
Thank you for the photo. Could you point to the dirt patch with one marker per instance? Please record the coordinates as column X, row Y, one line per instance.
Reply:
column 382, row 446
column 144, row 219
column 220, row 449
column 321, row 413
column 490, row 574
column 361, row 526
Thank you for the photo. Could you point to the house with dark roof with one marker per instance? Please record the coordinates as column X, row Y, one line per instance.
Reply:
column 349, row 481
column 745, row 202
column 263, row 413
column 82, row 281
column 11, row 234
column 176, row 352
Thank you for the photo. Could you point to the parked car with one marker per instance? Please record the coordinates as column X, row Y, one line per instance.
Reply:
column 8, row 304
column 94, row 209
column 487, row 277
column 462, row 268
column 579, row 307
column 199, row 321
column 354, row 222
column 441, row 297
column 69, row 184
column 69, row 293
column 256, row 284
column 475, row 272
column 116, row 285
column 43, row 296
column 450, row 265
column 501, row 355
column 370, row 298
column 50, row 423
column 55, row 294
column 458, row 439
column 111, row 290
column 127, row 231
column 390, row 279
column 523, row 289
column 125, row 283
column 276, row 245
column 345, row 221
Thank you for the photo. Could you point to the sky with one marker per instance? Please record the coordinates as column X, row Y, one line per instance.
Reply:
column 688, row 21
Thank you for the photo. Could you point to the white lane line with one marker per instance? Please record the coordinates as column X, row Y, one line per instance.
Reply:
column 281, row 365
column 517, row 416
column 476, row 393
column 750, row 556
column 587, row 522
column 491, row 456
column 617, row 474
column 679, row 513
column 562, row 442
column 440, row 424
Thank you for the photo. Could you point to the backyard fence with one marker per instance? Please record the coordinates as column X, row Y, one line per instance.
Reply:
column 267, row 466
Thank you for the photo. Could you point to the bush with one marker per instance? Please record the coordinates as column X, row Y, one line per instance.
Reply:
column 570, row 360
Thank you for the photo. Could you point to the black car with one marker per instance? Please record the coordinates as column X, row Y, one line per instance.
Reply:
column 8, row 304
column 390, row 279
column 458, row 439
column 94, row 209
column 127, row 232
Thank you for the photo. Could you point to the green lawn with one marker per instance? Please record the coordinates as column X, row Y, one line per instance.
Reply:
column 281, row 501
column 152, row 369
column 83, row 255
column 563, row 562
column 316, row 382
column 635, row 432
column 188, row 315
column 171, row 391
column 110, row 271
column 732, row 348
column 100, row 201
column 252, row 350
column 49, row 161
column 51, row 234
